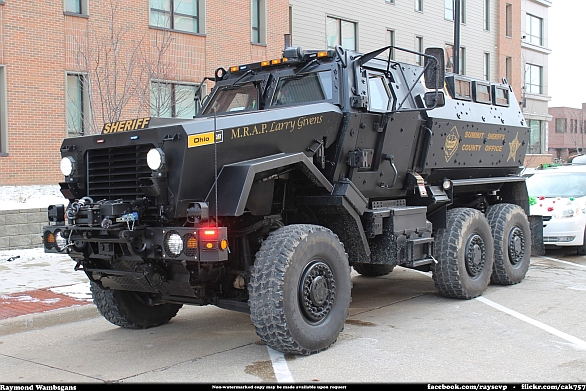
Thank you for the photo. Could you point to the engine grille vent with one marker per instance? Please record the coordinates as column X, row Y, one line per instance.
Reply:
column 113, row 173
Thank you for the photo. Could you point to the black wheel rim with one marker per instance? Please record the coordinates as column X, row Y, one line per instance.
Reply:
column 317, row 291
column 516, row 246
column 475, row 255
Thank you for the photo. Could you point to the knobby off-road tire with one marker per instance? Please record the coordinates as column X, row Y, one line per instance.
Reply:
column 126, row 309
column 299, row 290
column 464, row 253
column 371, row 270
column 512, row 243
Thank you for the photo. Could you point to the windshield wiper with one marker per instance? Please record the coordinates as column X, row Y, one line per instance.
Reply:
column 313, row 62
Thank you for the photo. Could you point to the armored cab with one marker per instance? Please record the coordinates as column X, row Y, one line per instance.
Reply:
column 293, row 171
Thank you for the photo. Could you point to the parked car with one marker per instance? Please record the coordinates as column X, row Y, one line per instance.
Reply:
column 559, row 195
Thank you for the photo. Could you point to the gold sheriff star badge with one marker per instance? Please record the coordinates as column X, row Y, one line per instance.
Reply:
column 514, row 146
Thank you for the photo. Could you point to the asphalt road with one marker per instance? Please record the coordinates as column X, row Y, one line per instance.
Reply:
column 399, row 330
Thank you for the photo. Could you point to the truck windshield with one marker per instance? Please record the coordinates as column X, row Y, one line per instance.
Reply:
column 308, row 87
column 233, row 98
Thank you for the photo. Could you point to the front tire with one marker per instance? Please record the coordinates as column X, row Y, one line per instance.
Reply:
column 581, row 250
column 127, row 309
column 464, row 254
column 300, row 289
column 512, row 243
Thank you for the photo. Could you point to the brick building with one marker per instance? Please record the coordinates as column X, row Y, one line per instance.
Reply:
column 566, row 135
column 53, row 55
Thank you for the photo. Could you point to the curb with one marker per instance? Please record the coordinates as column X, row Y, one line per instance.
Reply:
column 42, row 320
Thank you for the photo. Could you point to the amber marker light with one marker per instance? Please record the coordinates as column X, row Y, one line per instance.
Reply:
column 234, row 69
column 276, row 62
column 223, row 244
column 209, row 245
column 192, row 243
column 265, row 63
column 51, row 238
column 322, row 54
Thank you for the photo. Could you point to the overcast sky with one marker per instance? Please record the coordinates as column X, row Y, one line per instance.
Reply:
column 567, row 62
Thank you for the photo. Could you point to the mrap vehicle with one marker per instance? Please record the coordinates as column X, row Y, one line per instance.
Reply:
column 293, row 171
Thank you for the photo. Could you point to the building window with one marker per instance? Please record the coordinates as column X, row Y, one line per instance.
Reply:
column 341, row 32
column 181, row 15
column 509, row 20
column 170, row 100
column 487, row 15
column 561, row 125
column 533, row 78
column 258, row 21
column 509, row 70
column 3, row 113
column 77, row 106
column 419, row 48
column 449, row 8
column 534, row 30
column 419, row 5
column 486, row 66
column 391, row 42
column 449, row 52
column 79, row 7
column 534, row 136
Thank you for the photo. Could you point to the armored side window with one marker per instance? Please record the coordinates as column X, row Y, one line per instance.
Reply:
column 234, row 98
column 378, row 94
column 482, row 93
column 309, row 87
column 501, row 96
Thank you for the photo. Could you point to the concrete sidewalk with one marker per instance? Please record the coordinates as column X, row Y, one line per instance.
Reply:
column 40, row 290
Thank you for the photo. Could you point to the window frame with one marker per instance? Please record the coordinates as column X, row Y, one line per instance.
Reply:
column 339, row 32
column 288, row 75
column 452, row 8
column 486, row 66
column 385, row 85
column 529, row 18
column 564, row 125
column 261, row 20
column 3, row 112
column 486, row 15
column 199, row 18
column 173, row 99
column 83, row 8
column 418, row 5
column 391, row 34
column 419, row 48
column 509, row 20
column 529, row 77
column 83, row 107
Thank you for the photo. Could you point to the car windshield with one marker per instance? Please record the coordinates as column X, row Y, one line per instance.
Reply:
column 308, row 87
column 557, row 184
column 233, row 98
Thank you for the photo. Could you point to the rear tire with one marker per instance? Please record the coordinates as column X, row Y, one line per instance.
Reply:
column 371, row 270
column 300, row 289
column 127, row 309
column 512, row 243
column 464, row 253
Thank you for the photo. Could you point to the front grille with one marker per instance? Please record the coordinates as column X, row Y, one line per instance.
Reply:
column 113, row 173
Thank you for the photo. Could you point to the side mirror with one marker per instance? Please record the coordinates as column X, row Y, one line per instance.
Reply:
column 434, row 99
column 435, row 68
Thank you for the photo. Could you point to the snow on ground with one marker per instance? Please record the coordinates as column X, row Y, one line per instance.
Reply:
column 30, row 269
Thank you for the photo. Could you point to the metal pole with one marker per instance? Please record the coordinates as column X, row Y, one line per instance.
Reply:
column 457, row 17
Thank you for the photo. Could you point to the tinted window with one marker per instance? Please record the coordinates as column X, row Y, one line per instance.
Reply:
column 309, row 87
column 232, row 99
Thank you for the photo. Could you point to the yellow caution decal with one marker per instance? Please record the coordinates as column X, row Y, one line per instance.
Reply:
column 201, row 139
column 124, row 126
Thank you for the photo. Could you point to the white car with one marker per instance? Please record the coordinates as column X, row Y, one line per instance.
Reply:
column 559, row 195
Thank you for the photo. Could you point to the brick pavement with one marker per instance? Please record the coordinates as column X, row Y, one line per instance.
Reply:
column 35, row 301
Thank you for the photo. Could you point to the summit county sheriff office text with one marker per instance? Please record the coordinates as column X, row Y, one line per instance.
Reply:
column 37, row 387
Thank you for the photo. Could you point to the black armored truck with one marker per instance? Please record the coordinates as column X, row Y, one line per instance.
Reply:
column 294, row 171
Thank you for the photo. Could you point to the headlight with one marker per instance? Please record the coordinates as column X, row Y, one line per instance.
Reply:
column 60, row 241
column 156, row 158
column 173, row 244
column 564, row 214
column 67, row 165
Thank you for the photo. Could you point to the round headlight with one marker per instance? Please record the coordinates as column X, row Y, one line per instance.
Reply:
column 155, row 158
column 67, row 165
column 60, row 241
column 174, row 244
